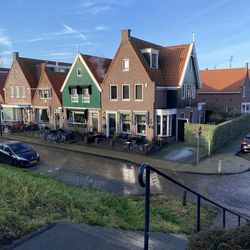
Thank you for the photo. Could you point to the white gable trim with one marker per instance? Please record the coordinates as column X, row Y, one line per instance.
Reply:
column 86, row 67
column 196, row 68
column 186, row 64
column 69, row 73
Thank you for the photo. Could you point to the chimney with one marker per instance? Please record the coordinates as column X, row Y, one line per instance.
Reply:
column 40, row 68
column 15, row 56
column 125, row 34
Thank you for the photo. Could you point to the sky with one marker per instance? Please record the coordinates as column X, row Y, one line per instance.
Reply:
column 55, row 29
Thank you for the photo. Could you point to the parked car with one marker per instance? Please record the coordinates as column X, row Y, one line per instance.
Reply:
column 18, row 154
column 245, row 144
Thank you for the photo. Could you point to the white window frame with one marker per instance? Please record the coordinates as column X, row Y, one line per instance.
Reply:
column 138, row 84
column 125, row 67
column 74, row 98
column 169, row 125
column 244, row 91
column 77, row 112
column 17, row 92
column 146, row 126
column 156, row 58
column 41, row 93
column 193, row 88
column 12, row 92
column 85, row 97
column 123, row 85
column 78, row 70
column 110, row 93
column 23, row 91
column 121, row 123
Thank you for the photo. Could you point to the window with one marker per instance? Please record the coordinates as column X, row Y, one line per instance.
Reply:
column 183, row 91
column 74, row 95
column 164, row 125
column 12, row 94
column 22, row 92
column 79, row 71
column 78, row 117
column 244, row 91
column 125, row 92
column 85, row 96
column 138, row 92
column 154, row 61
column 17, row 91
column 45, row 93
column 125, row 64
column 113, row 93
column 125, row 123
column 42, row 115
column 193, row 87
column 141, row 125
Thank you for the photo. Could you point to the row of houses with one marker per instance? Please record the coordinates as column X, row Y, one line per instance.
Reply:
column 146, row 90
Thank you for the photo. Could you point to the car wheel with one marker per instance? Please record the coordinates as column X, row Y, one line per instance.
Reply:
column 14, row 162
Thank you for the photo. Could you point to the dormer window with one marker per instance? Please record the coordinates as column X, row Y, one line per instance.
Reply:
column 152, row 57
column 125, row 64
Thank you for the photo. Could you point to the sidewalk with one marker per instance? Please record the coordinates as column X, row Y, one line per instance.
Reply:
column 66, row 236
column 231, row 163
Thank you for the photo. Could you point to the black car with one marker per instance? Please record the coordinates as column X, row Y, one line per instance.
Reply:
column 245, row 144
column 18, row 154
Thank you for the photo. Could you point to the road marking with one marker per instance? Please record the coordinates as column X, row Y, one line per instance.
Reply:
column 155, row 181
column 128, row 173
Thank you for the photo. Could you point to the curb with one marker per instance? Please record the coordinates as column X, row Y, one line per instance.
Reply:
column 125, row 160
column 28, row 237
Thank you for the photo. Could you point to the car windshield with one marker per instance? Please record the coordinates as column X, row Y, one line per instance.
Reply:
column 19, row 148
column 247, row 140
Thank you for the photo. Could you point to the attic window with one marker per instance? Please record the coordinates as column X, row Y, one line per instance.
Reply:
column 125, row 64
column 154, row 61
column 79, row 72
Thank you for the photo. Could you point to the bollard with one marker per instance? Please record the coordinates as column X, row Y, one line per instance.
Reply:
column 184, row 198
column 219, row 166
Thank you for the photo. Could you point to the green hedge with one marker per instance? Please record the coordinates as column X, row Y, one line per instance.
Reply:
column 218, row 135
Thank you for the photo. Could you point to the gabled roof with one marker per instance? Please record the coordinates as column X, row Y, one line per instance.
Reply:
column 3, row 77
column 172, row 62
column 56, row 80
column 30, row 70
column 222, row 80
column 97, row 65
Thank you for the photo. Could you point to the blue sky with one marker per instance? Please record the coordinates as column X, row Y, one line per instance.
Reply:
column 52, row 29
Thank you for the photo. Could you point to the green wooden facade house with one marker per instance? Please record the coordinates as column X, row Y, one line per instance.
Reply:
column 81, row 93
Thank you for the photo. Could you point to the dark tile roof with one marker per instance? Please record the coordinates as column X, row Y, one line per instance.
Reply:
column 97, row 65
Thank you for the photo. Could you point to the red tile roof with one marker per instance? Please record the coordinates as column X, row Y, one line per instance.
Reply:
column 97, row 65
column 222, row 80
column 29, row 67
column 171, row 61
column 56, row 80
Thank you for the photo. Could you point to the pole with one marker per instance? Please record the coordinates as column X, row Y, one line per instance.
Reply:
column 198, row 149
column 147, row 202
column 1, row 126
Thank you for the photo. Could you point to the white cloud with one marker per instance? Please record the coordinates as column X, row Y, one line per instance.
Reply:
column 4, row 40
column 69, row 30
column 101, row 28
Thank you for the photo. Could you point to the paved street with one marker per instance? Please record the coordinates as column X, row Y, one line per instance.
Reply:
column 121, row 177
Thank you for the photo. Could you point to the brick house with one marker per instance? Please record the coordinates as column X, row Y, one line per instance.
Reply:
column 226, row 90
column 47, row 101
column 21, row 85
column 81, row 93
column 3, row 77
column 150, row 90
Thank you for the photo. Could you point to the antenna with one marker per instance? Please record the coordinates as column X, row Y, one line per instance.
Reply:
column 77, row 46
column 193, row 34
column 215, row 66
column 230, row 61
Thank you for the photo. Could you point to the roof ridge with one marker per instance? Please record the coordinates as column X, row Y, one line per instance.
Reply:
column 96, row 56
column 154, row 44
column 178, row 45
column 222, row 69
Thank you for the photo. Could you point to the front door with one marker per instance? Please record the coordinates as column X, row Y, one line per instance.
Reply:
column 112, row 124
column 94, row 122
column 181, row 129
column 57, row 120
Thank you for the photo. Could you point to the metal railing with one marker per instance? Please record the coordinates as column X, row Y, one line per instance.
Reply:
column 148, row 169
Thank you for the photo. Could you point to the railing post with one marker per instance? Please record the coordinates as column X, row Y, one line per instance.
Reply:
column 147, row 202
column 198, row 214
column 238, row 221
column 224, row 218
